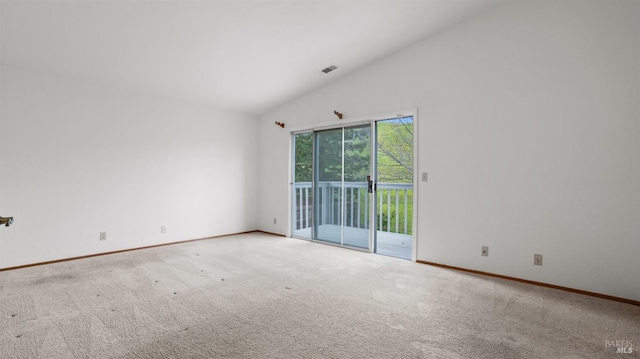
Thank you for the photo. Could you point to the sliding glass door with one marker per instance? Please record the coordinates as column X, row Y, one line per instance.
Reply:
column 353, row 186
column 357, row 164
column 327, row 183
column 394, row 187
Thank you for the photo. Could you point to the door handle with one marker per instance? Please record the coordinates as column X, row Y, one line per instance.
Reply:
column 369, row 184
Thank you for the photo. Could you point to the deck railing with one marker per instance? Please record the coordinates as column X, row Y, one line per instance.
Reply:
column 393, row 213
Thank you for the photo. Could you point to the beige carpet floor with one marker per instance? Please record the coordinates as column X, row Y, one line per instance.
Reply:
column 261, row 296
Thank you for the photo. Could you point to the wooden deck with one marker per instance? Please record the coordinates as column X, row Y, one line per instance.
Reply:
column 390, row 244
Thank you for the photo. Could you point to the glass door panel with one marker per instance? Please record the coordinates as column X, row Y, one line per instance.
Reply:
column 342, row 164
column 302, row 196
column 394, row 195
column 328, row 164
column 357, row 166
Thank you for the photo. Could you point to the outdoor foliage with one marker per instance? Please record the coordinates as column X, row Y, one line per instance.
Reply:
column 395, row 151
column 357, row 151
column 303, row 157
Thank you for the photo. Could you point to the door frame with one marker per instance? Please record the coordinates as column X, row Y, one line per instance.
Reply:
column 354, row 121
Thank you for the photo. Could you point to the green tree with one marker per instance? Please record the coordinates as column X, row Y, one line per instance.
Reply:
column 357, row 154
column 303, row 152
column 395, row 150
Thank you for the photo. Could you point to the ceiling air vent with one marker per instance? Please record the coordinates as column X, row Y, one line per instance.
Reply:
column 328, row 69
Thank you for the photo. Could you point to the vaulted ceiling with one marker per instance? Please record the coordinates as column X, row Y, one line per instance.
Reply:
column 242, row 55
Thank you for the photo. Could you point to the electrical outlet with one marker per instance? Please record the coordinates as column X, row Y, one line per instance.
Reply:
column 424, row 176
column 537, row 259
column 485, row 251
column 163, row 229
column 275, row 221
column 103, row 236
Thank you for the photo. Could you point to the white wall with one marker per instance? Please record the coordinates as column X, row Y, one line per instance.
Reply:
column 529, row 130
column 80, row 159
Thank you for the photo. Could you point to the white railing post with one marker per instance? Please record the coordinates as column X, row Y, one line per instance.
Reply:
column 397, row 229
column 366, row 207
column 406, row 214
column 299, row 201
column 380, row 205
column 388, row 210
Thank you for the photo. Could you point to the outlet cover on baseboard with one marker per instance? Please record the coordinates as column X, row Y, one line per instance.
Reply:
column 103, row 236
